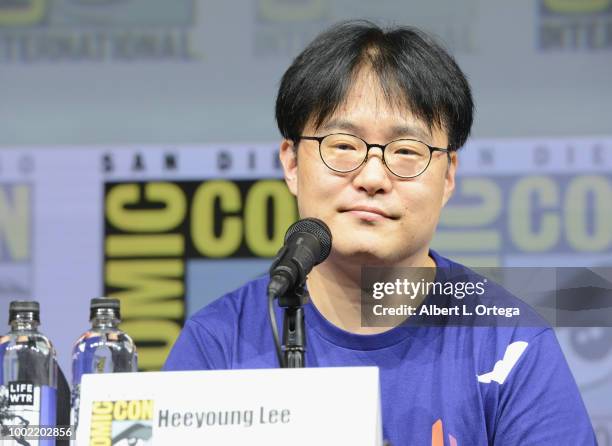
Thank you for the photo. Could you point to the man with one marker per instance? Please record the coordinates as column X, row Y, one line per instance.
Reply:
column 372, row 121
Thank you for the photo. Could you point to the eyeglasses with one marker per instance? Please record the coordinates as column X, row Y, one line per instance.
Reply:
column 405, row 158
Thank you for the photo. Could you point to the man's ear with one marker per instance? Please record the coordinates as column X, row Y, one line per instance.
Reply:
column 449, row 178
column 288, row 158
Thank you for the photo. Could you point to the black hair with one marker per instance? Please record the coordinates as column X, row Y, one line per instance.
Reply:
column 413, row 70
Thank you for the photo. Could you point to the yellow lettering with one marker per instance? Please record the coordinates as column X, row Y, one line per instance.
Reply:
column 164, row 218
column 101, row 441
column 134, row 410
column 520, row 212
column 487, row 208
column 576, row 214
column 150, row 286
column 146, row 409
column 202, row 219
column 120, row 411
column 25, row 13
column 101, row 419
column 102, row 408
column 133, row 245
column 255, row 216
column 577, row 6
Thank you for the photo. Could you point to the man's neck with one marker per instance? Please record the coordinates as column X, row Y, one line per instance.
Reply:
column 335, row 289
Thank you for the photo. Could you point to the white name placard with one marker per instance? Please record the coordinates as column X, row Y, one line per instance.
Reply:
column 312, row 406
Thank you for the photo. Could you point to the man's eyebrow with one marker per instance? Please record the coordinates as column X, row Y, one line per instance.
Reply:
column 409, row 131
column 396, row 132
column 341, row 124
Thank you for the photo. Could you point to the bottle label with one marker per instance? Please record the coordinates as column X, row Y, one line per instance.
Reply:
column 25, row 404
column 20, row 393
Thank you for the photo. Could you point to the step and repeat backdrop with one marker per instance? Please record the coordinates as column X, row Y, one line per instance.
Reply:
column 167, row 230
column 138, row 153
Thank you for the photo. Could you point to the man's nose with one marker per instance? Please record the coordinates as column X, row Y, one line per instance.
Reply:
column 373, row 175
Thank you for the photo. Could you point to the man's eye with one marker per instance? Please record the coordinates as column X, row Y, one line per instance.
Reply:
column 344, row 147
column 406, row 151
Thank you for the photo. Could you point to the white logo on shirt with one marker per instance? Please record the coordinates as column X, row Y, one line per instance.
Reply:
column 503, row 367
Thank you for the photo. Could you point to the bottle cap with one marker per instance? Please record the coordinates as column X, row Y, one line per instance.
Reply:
column 103, row 303
column 24, row 306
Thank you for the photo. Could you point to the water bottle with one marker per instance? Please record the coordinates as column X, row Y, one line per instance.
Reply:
column 102, row 349
column 28, row 379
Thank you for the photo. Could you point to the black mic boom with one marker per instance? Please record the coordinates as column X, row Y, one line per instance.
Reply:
column 307, row 243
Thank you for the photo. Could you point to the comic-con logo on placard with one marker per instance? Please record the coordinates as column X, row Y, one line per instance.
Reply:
column 96, row 30
column 15, row 240
column 122, row 423
column 575, row 25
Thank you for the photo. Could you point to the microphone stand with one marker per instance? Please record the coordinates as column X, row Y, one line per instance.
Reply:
column 294, row 332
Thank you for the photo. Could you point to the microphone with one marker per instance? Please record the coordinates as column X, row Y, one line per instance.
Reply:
column 307, row 243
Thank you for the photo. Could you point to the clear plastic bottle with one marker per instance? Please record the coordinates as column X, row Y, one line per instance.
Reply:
column 102, row 349
column 28, row 382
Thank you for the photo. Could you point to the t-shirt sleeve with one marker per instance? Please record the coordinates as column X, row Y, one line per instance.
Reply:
column 540, row 403
column 196, row 348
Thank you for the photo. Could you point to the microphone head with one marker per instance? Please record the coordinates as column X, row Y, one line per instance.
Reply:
column 316, row 228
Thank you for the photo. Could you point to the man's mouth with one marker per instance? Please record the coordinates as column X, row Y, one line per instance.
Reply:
column 368, row 213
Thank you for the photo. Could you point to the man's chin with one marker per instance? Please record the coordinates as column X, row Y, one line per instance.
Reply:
column 364, row 255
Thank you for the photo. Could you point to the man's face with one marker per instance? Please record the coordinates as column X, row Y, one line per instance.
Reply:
column 374, row 216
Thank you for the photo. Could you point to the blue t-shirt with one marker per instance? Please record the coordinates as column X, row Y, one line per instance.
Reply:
column 440, row 385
